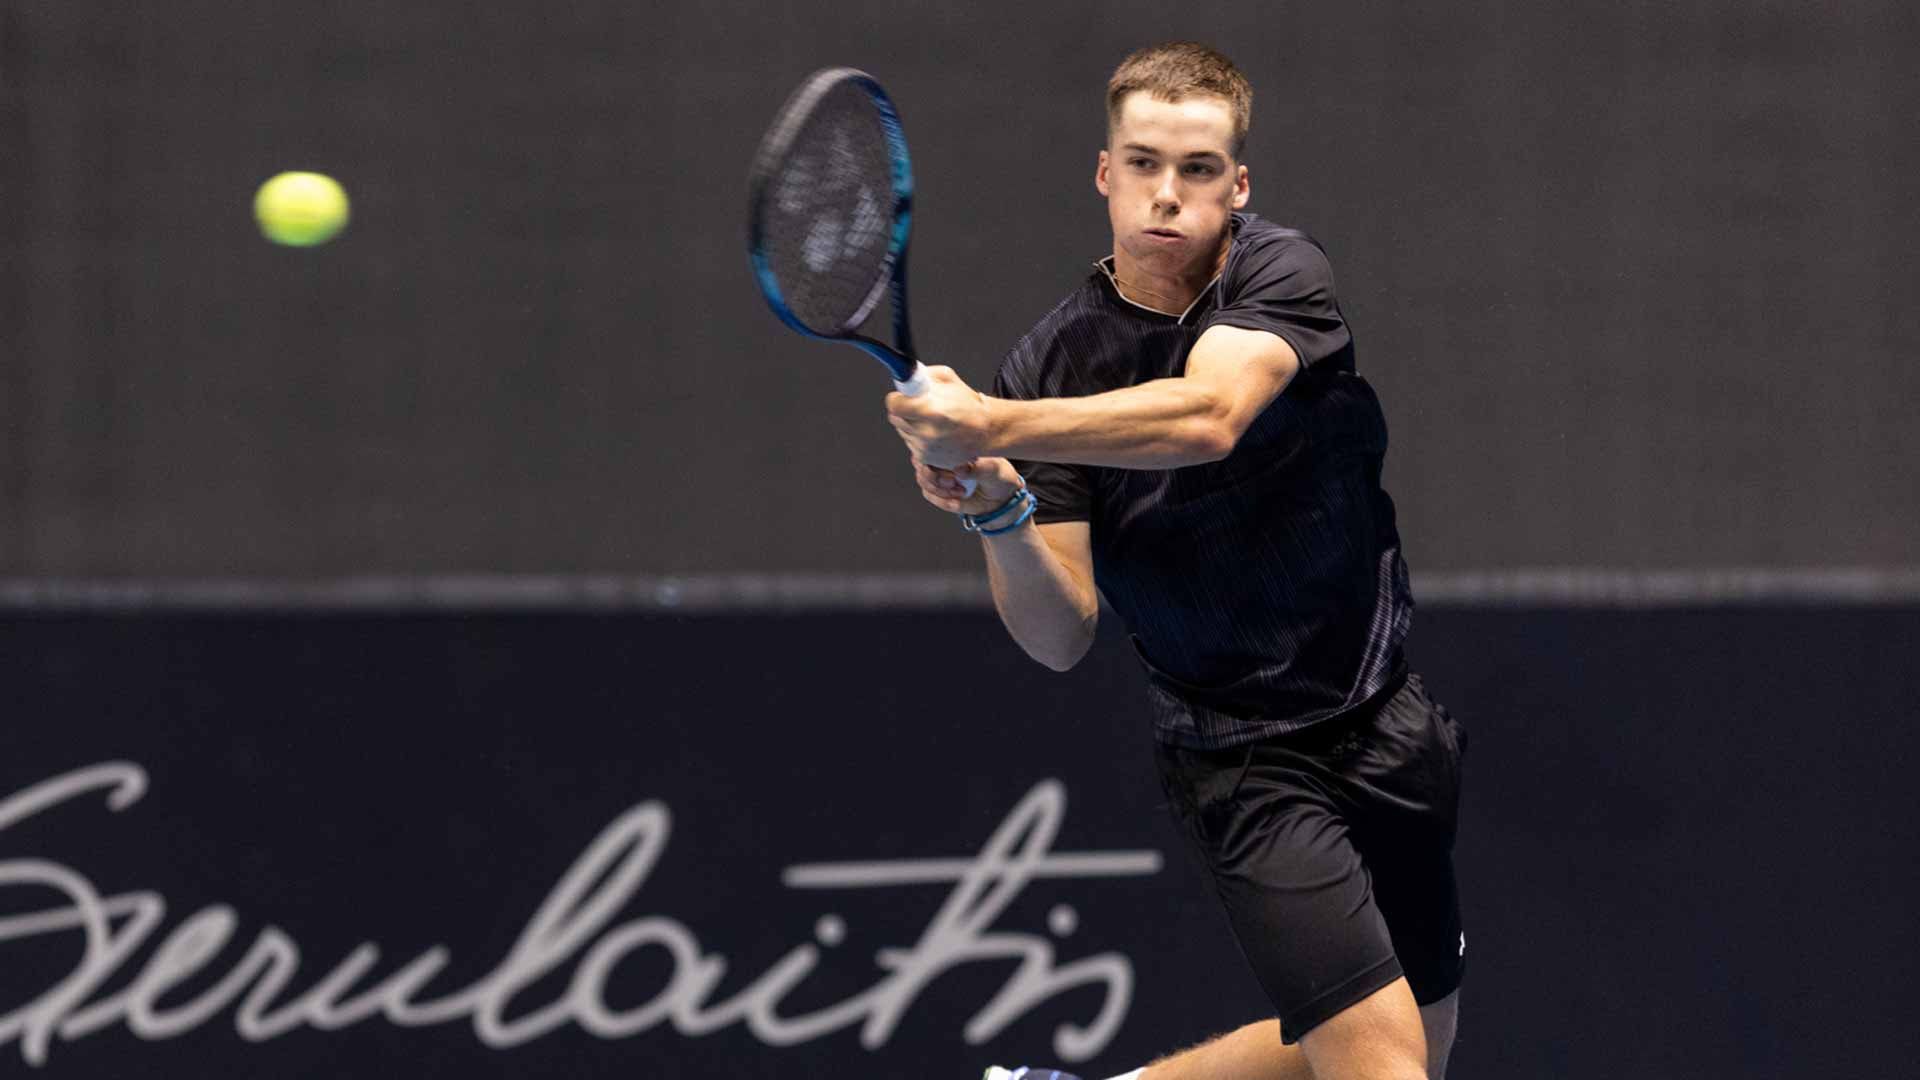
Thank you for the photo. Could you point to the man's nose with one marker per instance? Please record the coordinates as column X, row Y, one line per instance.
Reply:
column 1166, row 196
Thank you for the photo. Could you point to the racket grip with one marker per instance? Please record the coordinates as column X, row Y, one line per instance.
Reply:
column 913, row 386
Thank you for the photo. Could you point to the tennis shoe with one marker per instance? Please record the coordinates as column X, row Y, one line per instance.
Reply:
column 1025, row 1072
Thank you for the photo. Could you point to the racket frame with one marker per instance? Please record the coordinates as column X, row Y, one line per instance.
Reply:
column 899, row 359
column 909, row 375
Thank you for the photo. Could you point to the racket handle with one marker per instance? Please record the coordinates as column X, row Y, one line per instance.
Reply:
column 913, row 386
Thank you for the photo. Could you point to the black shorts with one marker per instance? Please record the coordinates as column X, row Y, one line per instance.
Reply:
column 1332, row 849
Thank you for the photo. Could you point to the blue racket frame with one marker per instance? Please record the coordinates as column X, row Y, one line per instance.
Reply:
column 898, row 358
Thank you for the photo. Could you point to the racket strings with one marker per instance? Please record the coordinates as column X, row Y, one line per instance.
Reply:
column 828, row 225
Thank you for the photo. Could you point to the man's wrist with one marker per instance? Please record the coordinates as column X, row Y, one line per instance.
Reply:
column 999, row 425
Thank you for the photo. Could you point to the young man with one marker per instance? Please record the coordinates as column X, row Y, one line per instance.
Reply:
column 1198, row 446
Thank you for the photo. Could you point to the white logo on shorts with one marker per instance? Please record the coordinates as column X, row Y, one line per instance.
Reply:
column 1463, row 943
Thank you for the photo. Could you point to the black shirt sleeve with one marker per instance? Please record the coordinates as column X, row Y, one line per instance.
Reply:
column 1283, row 284
column 1064, row 492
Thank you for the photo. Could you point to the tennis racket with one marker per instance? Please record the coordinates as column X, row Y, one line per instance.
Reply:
column 830, row 208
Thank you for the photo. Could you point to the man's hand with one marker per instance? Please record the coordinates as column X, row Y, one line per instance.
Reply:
column 941, row 487
column 949, row 425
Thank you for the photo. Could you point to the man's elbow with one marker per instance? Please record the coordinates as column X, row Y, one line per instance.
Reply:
column 1217, row 441
column 1212, row 431
column 1061, row 662
column 1211, row 438
column 1064, row 654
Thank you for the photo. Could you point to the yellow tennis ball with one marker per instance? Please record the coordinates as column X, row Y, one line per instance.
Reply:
column 300, row 209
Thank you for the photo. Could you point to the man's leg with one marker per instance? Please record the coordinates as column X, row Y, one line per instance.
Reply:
column 1255, row 1051
column 1297, row 811
column 1379, row 1038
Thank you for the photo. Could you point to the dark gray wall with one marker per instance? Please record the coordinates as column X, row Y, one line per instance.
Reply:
column 1636, row 280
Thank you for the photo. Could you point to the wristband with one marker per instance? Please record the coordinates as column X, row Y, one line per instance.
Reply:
column 972, row 523
column 1032, row 505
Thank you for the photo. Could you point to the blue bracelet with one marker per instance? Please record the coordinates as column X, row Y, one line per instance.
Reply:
column 972, row 523
column 1032, row 505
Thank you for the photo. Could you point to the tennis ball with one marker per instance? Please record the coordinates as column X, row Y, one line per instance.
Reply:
column 300, row 209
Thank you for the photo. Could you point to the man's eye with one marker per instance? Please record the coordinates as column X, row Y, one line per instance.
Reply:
column 1200, row 170
column 1140, row 162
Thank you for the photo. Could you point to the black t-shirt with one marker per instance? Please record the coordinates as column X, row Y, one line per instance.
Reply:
column 1265, row 592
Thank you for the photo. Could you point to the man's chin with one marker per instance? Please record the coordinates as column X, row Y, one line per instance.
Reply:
column 1168, row 256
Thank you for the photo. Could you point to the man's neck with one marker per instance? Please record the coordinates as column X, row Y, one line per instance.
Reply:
column 1169, row 293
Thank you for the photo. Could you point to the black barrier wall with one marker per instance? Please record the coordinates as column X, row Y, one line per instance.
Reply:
column 1635, row 281
column 837, row 845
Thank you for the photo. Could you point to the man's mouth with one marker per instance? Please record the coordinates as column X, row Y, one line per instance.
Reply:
column 1168, row 234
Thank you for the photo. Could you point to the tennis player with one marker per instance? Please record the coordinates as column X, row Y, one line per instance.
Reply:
column 1187, row 434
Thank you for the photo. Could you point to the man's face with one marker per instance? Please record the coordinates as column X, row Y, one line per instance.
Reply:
column 1171, row 182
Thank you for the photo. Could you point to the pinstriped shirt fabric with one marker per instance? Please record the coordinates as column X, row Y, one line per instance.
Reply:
column 1264, row 592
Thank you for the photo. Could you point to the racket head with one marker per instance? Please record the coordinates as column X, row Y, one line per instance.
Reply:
column 830, row 209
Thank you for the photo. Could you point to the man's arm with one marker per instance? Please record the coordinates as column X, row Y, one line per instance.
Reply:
column 1232, row 375
column 1042, row 578
column 1041, row 575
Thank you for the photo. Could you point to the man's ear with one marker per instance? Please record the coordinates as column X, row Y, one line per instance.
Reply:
column 1100, row 175
column 1242, row 189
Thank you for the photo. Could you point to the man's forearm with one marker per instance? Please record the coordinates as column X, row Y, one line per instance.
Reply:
column 1162, row 424
column 1047, row 609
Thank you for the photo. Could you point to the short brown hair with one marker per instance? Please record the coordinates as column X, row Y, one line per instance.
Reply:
column 1182, row 69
